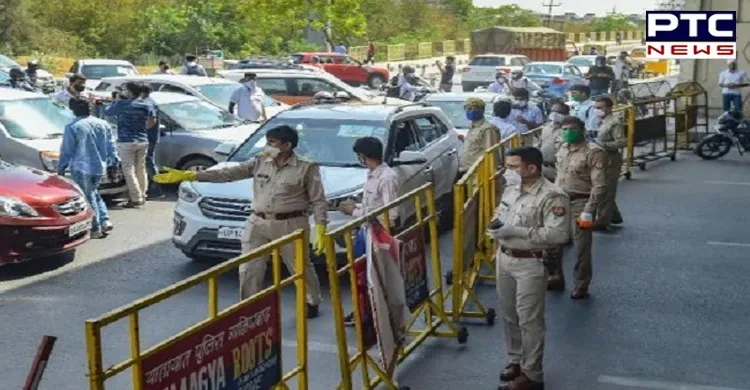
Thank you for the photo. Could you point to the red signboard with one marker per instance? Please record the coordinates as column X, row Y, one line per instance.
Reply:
column 369, row 336
column 414, row 261
column 238, row 351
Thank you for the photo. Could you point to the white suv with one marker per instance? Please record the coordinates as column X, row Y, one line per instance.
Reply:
column 420, row 145
column 482, row 69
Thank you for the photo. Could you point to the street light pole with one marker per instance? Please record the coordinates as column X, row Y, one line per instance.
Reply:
column 549, row 6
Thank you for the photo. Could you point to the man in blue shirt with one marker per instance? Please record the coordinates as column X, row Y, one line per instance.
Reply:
column 87, row 149
column 584, row 109
column 154, row 190
column 134, row 116
column 528, row 116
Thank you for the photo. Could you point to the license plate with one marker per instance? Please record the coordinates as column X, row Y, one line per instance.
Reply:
column 230, row 233
column 79, row 227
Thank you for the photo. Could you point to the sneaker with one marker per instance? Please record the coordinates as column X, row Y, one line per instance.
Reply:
column 107, row 227
column 95, row 235
column 312, row 311
column 133, row 205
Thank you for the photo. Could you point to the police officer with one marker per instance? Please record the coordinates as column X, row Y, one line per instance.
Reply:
column 480, row 136
column 535, row 216
column 581, row 173
column 611, row 137
column 381, row 187
column 286, row 186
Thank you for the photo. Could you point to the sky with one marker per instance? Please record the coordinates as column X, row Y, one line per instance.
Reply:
column 577, row 6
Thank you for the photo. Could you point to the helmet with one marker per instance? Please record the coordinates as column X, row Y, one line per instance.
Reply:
column 408, row 69
column 516, row 74
column 32, row 64
column 16, row 74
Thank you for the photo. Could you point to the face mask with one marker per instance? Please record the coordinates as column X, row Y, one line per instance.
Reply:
column 79, row 87
column 474, row 115
column 572, row 136
column 556, row 117
column 512, row 177
column 250, row 84
column 600, row 113
column 270, row 151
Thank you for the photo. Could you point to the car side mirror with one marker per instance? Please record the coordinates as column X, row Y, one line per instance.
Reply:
column 162, row 129
column 225, row 149
column 410, row 157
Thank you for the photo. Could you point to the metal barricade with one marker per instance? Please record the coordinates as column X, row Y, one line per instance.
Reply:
column 691, row 104
column 648, row 137
column 240, row 345
column 423, row 301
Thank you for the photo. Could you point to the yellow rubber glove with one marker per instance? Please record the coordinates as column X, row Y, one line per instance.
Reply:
column 173, row 176
column 318, row 242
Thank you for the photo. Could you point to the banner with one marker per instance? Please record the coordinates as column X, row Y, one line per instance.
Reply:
column 414, row 261
column 369, row 336
column 240, row 350
column 387, row 293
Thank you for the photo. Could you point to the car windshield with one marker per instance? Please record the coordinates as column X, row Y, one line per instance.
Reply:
column 199, row 115
column 38, row 118
column 581, row 61
column 96, row 72
column 328, row 142
column 220, row 93
column 4, row 78
column 6, row 62
column 542, row 69
column 456, row 113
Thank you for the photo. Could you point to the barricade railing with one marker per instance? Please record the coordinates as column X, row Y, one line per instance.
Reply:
column 691, row 103
column 422, row 301
column 648, row 137
column 227, row 343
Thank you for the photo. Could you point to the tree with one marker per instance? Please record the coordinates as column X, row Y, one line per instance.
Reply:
column 612, row 22
column 504, row 15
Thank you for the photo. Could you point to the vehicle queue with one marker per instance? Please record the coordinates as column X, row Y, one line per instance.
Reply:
column 285, row 155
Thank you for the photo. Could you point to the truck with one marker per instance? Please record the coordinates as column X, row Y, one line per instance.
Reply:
column 536, row 43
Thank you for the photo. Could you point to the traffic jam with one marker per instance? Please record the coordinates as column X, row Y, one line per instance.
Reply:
column 234, row 145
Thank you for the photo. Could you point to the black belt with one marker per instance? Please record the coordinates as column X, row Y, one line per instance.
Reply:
column 281, row 216
column 523, row 253
column 577, row 196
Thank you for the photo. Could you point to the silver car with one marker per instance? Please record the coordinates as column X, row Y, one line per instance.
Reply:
column 192, row 128
column 215, row 90
column 452, row 104
column 31, row 133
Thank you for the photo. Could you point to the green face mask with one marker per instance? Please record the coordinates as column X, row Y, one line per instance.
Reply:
column 571, row 136
column 575, row 97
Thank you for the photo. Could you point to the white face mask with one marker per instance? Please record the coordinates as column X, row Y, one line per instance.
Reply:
column 250, row 84
column 512, row 177
column 600, row 113
column 270, row 151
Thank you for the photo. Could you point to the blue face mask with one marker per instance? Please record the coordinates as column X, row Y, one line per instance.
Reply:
column 474, row 115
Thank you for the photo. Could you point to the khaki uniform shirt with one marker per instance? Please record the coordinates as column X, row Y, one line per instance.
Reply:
column 543, row 210
column 550, row 141
column 294, row 186
column 381, row 188
column 611, row 134
column 581, row 172
column 481, row 136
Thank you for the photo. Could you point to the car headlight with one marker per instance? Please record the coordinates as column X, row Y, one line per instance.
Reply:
column 12, row 207
column 187, row 193
column 356, row 196
column 49, row 160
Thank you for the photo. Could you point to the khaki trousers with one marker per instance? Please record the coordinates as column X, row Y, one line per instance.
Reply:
column 582, row 242
column 608, row 210
column 258, row 232
column 522, row 288
column 133, row 156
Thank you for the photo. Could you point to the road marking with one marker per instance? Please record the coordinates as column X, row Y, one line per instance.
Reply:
column 662, row 385
column 729, row 183
column 723, row 243
column 317, row 347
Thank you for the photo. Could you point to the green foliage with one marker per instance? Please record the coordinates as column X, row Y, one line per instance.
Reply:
column 504, row 15
column 612, row 22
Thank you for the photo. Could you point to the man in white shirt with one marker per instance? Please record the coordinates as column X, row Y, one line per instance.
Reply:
column 527, row 115
column 247, row 99
column 731, row 80
column 622, row 72
column 76, row 89
column 502, row 120
column 500, row 85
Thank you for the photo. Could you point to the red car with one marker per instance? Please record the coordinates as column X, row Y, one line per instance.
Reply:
column 41, row 214
column 346, row 68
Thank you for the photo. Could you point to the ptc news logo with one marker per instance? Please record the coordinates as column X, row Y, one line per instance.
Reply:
column 691, row 34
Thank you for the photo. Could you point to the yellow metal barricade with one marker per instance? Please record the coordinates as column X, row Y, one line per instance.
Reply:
column 648, row 137
column 240, row 346
column 427, row 304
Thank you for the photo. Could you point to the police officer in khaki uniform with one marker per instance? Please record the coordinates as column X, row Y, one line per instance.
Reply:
column 611, row 137
column 535, row 217
column 481, row 135
column 549, row 141
column 285, row 187
column 581, row 173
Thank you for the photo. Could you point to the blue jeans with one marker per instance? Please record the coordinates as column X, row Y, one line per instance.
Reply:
column 90, row 186
column 151, row 160
column 729, row 98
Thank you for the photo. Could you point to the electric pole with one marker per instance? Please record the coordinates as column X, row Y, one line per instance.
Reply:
column 549, row 6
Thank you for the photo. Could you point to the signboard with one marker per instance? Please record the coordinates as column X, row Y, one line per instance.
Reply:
column 239, row 351
column 369, row 336
column 414, row 261
column 470, row 221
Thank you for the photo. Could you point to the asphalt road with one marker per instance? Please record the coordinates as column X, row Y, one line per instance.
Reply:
column 668, row 307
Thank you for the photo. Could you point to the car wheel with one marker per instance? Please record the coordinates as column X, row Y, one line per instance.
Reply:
column 375, row 81
column 197, row 164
